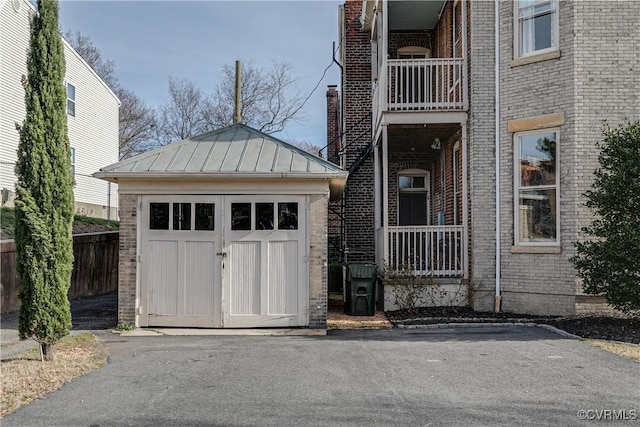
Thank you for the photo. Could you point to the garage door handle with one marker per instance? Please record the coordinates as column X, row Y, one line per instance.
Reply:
column 222, row 254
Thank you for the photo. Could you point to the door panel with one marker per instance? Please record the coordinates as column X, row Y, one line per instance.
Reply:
column 244, row 266
column 265, row 284
column 199, row 270
column 163, row 295
column 180, row 267
column 283, row 289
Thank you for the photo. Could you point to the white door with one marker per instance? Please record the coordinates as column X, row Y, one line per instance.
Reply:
column 181, row 261
column 265, row 271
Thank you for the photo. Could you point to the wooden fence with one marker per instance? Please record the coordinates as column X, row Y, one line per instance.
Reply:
column 95, row 268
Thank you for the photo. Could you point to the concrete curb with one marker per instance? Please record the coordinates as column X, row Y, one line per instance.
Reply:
column 489, row 325
column 154, row 332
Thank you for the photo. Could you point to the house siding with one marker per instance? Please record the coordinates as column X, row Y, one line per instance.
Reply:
column 93, row 132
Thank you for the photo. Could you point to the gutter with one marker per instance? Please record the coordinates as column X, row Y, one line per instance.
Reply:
column 498, row 296
column 337, row 180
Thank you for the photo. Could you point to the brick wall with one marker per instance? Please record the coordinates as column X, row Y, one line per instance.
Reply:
column 607, row 87
column 318, row 262
column 334, row 142
column 128, row 263
column 356, row 91
column 333, row 125
column 481, row 152
column 581, row 85
column 399, row 39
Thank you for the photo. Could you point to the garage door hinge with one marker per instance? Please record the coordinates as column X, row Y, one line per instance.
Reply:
column 140, row 258
column 140, row 205
column 306, row 258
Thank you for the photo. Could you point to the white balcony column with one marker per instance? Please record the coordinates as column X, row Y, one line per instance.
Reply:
column 385, row 192
column 465, row 202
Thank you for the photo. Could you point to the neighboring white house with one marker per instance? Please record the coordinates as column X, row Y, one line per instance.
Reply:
column 92, row 115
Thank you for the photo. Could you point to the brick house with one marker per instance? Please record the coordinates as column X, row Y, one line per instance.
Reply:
column 470, row 149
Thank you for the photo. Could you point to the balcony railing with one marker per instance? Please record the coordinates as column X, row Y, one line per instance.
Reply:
column 420, row 85
column 433, row 250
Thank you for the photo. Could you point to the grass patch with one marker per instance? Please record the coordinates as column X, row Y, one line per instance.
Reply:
column 26, row 378
column 81, row 224
column 7, row 217
column 630, row 351
column 87, row 220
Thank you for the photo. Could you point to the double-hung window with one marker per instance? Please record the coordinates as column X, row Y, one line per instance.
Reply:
column 536, row 185
column 73, row 160
column 536, row 27
column 71, row 99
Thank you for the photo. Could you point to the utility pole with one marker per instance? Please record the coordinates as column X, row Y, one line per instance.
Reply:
column 237, row 112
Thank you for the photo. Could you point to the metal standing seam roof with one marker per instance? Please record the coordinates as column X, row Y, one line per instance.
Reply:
column 234, row 150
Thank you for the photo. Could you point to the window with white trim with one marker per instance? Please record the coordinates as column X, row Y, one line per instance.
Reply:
column 413, row 197
column 71, row 99
column 536, row 27
column 73, row 160
column 536, row 215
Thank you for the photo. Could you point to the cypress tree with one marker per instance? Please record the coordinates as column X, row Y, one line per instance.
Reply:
column 44, row 190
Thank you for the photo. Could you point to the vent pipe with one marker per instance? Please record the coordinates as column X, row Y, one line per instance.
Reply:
column 237, row 111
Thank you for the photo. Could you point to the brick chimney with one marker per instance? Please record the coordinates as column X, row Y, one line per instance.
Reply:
column 333, row 125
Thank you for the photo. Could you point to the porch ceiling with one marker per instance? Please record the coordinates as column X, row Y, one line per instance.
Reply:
column 414, row 15
column 419, row 138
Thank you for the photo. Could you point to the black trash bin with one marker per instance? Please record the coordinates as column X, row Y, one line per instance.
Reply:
column 360, row 292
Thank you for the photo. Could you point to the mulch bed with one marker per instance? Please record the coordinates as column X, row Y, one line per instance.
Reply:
column 624, row 329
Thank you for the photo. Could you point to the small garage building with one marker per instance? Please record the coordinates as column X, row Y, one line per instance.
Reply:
column 224, row 230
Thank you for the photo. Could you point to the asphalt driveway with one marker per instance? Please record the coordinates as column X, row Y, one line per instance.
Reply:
column 509, row 375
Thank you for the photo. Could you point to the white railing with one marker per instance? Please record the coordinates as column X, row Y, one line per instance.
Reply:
column 435, row 250
column 425, row 84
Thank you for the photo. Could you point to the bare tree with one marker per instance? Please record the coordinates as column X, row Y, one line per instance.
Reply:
column 184, row 114
column 105, row 68
column 137, row 120
column 270, row 99
column 307, row 146
column 137, row 124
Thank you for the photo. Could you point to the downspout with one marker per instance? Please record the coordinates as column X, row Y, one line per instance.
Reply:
column 496, row 303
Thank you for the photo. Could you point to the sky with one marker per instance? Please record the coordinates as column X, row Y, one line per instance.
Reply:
column 151, row 40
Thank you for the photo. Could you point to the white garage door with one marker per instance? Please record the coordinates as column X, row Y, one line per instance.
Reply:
column 232, row 261
column 265, row 279
column 180, row 273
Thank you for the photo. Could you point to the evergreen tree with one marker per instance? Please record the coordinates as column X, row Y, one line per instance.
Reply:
column 44, row 191
column 609, row 263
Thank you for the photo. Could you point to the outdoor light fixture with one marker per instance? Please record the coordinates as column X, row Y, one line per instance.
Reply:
column 436, row 144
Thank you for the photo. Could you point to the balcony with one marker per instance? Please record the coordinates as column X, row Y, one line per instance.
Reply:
column 420, row 85
column 427, row 250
